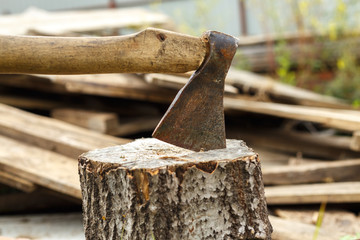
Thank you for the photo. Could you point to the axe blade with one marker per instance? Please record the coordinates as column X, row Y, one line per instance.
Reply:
column 195, row 118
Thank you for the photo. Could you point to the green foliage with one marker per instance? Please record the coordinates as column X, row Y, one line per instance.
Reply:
column 319, row 219
column 333, row 22
column 346, row 84
column 283, row 59
column 351, row 237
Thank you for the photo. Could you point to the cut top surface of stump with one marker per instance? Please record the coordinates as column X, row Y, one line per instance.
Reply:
column 151, row 153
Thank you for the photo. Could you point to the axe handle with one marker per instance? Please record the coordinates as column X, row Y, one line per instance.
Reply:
column 151, row 50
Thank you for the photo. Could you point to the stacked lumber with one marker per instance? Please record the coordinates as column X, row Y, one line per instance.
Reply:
column 260, row 52
column 308, row 143
column 36, row 21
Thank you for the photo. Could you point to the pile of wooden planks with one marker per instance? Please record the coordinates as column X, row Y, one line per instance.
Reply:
column 308, row 143
column 308, row 153
column 36, row 21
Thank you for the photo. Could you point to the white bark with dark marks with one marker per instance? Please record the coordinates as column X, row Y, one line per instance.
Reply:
column 149, row 189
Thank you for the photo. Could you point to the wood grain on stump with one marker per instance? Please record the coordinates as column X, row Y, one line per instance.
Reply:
column 149, row 189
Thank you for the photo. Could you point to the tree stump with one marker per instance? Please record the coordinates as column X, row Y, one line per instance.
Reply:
column 149, row 189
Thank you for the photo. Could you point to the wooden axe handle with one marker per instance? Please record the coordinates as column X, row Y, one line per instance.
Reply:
column 151, row 50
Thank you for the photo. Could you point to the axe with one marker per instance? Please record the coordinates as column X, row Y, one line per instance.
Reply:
column 194, row 120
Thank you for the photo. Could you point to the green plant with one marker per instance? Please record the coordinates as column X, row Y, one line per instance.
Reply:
column 319, row 219
column 346, row 84
column 283, row 59
column 351, row 237
column 332, row 23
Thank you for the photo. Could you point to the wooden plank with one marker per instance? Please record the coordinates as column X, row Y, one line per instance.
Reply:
column 38, row 201
column 105, row 122
column 177, row 82
column 19, row 101
column 45, row 168
column 335, row 171
column 270, row 158
column 341, row 220
column 134, row 126
column 65, row 22
column 341, row 192
column 260, row 55
column 128, row 86
column 16, row 182
column 341, row 119
column 292, row 142
column 51, row 134
column 292, row 230
column 355, row 141
column 43, row 226
column 261, row 85
column 102, row 122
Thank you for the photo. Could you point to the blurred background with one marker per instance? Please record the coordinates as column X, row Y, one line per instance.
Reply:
column 292, row 94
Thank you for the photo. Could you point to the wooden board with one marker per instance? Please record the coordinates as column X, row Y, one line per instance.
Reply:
column 355, row 141
column 19, row 101
column 293, row 142
column 45, row 168
column 43, row 226
column 17, row 182
column 105, row 122
column 134, row 126
column 128, row 86
column 177, row 82
column 102, row 122
column 341, row 192
column 65, row 22
column 39, row 200
column 341, row 220
column 336, row 171
column 266, row 87
column 341, row 119
column 50, row 133
column 292, row 230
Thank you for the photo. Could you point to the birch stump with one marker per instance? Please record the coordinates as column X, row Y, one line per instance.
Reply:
column 149, row 189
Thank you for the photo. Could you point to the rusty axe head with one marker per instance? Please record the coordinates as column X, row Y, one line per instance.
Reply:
column 195, row 119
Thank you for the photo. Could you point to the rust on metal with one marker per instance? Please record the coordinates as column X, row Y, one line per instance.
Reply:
column 195, row 119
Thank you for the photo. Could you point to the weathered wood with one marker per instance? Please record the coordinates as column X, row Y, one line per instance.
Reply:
column 127, row 86
column 45, row 168
column 84, row 21
column 177, row 82
column 293, row 230
column 42, row 226
column 17, row 182
column 134, row 126
column 336, row 171
column 151, row 50
column 28, row 102
column 39, row 200
column 341, row 119
column 344, row 222
column 272, row 89
column 50, row 133
column 293, row 142
column 101, row 122
column 341, row 192
column 152, row 190
column 105, row 122
column 355, row 141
